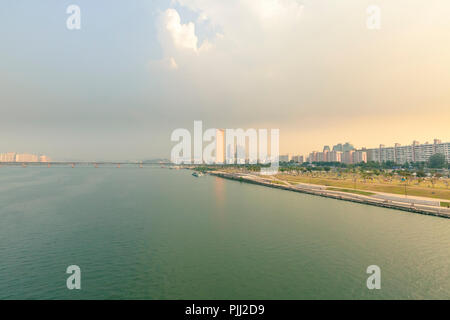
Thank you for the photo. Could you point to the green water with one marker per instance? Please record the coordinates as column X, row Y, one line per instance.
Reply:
column 155, row 233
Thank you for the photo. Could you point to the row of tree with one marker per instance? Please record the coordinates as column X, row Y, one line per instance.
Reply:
column 436, row 161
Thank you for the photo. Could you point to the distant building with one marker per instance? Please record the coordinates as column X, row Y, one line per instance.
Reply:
column 359, row 156
column 220, row 146
column 335, row 156
column 298, row 159
column 415, row 152
column 284, row 158
column 326, row 156
column 320, row 157
column 347, row 147
column 44, row 158
column 343, row 147
column 26, row 157
column 240, row 154
column 231, row 153
column 338, row 147
column 264, row 160
column 313, row 156
column 399, row 154
column 22, row 157
column 348, row 157
column 8, row 157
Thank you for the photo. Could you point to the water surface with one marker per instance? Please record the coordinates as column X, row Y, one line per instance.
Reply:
column 155, row 233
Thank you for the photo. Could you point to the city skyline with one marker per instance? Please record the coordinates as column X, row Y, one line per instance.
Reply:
column 23, row 157
column 341, row 148
column 398, row 153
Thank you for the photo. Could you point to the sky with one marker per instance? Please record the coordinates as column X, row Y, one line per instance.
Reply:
column 137, row 70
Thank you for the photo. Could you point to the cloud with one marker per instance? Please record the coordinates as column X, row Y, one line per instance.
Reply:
column 245, row 15
column 183, row 35
column 242, row 22
column 243, row 61
column 287, row 63
column 176, row 35
column 277, row 11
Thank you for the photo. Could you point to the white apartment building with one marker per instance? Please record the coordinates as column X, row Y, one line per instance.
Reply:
column 26, row 157
column 326, row 156
column 415, row 152
column 412, row 153
column 334, row 156
column 298, row 159
column 44, row 158
column 22, row 157
column 8, row 157
column 359, row 156
column 443, row 148
column 348, row 157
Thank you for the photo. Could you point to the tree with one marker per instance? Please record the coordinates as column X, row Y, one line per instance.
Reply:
column 420, row 174
column 437, row 161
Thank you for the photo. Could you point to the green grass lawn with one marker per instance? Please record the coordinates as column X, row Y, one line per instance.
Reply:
column 395, row 188
column 445, row 204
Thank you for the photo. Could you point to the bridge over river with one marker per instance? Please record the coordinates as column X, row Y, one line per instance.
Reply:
column 86, row 163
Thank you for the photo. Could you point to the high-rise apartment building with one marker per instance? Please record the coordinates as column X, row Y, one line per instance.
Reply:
column 26, row 157
column 335, row 156
column 415, row 152
column 44, row 158
column 348, row 157
column 359, row 156
column 22, row 157
column 298, row 159
column 8, row 157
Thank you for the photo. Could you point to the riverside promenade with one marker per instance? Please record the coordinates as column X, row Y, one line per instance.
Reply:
column 406, row 204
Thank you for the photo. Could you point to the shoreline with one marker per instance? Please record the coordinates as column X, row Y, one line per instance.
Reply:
column 338, row 195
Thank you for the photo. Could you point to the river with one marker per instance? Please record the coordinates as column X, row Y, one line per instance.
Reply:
column 153, row 233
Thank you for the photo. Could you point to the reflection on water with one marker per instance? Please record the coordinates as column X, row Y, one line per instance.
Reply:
column 219, row 194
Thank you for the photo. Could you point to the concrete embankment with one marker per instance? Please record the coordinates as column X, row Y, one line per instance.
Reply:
column 411, row 207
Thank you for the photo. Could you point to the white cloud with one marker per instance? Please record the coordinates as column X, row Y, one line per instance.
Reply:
column 284, row 62
column 279, row 11
column 244, row 29
column 260, row 13
column 181, row 36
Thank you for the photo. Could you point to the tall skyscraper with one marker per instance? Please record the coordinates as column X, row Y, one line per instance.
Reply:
column 220, row 146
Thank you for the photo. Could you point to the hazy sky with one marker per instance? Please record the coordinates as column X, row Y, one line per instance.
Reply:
column 137, row 70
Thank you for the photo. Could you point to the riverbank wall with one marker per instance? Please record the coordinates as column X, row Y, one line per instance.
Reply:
column 410, row 207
